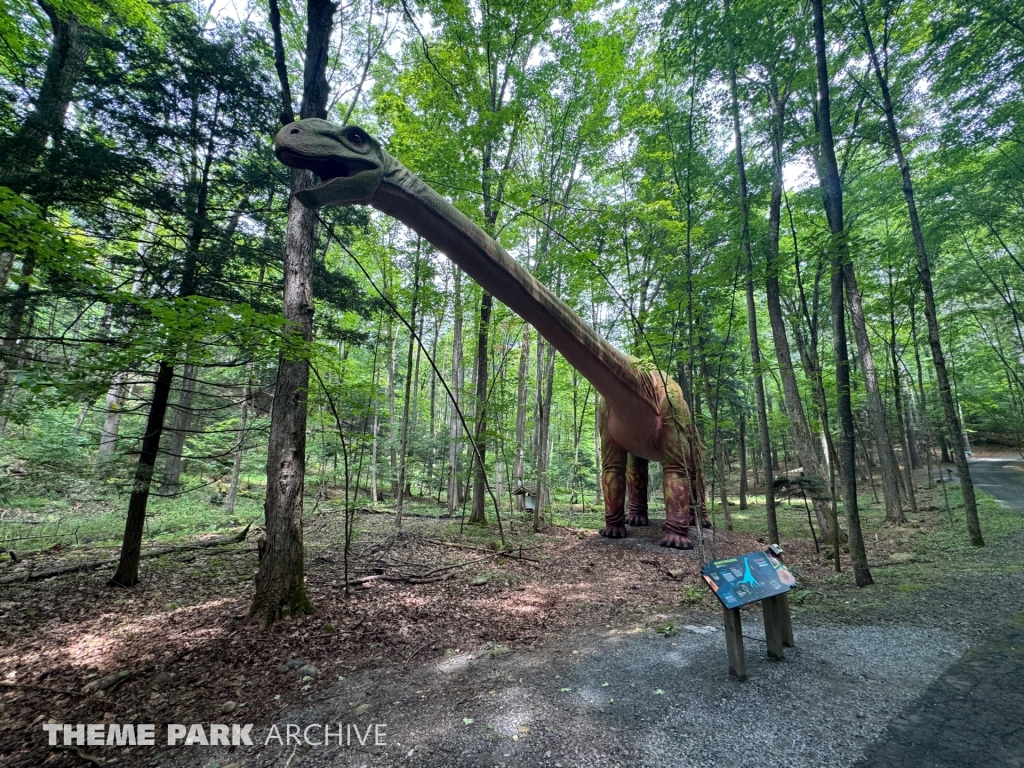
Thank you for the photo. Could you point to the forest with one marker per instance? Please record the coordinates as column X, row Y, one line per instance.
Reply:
column 808, row 213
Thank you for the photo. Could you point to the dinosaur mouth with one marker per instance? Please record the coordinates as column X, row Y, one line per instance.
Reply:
column 327, row 168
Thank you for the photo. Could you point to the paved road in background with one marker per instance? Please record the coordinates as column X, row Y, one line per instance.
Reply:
column 1002, row 478
column 972, row 716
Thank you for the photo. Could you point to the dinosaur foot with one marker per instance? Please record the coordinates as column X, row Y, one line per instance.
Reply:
column 637, row 520
column 704, row 523
column 676, row 541
column 614, row 532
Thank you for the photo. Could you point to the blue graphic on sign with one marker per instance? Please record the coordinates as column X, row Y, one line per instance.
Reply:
column 747, row 578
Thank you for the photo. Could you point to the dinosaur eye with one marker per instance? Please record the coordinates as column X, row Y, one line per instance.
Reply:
column 357, row 138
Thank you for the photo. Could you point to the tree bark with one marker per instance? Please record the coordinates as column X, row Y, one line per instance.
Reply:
column 876, row 410
column 178, row 433
column 743, row 460
column 127, row 574
column 832, row 193
column 393, row 408
column 280, row 581
column 522, row 381
column 454, row 425
column 236, row 464
column 542, row 450
column 479, row 515
column 403, row 454
column 806, row 449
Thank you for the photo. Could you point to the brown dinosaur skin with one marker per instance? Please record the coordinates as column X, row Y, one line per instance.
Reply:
column 642, row 414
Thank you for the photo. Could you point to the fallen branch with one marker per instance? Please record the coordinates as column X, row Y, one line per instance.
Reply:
column 78, row 567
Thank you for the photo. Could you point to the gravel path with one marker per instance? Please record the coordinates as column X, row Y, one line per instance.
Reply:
column 879, row 683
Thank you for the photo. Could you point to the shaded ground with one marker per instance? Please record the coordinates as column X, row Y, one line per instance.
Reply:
column 512, row 671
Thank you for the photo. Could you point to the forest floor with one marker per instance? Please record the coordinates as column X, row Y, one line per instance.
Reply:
column 572, row 650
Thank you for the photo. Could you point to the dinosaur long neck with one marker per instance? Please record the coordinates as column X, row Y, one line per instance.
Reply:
column 406, row 197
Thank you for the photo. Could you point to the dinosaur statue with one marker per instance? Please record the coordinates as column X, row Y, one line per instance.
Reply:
column 642, row 415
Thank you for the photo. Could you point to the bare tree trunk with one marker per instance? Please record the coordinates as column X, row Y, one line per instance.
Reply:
column 236, row 465
column 479, row 514
column 828, row 169
column 111, row 420
column 743, row 460
column 392, row 408
column 408, row 388
column 876, row 410
column 542, row 450
column 454, row 424
column 127, row 574
column 280, row 581
column 177, row 434
column 373, row 452
column 953, row 425
column 806, row 450
column 522, row 385
column 755, row 345
column 433, row 409
column 897, row 381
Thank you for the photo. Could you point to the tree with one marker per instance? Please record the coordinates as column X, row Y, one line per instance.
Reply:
column 280, row 582
column 880, row 65
column 832, row 194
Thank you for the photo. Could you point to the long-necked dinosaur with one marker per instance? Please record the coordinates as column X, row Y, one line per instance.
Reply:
column 642, row 414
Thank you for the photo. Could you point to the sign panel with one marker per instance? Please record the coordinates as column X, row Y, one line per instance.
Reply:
column 747, row 578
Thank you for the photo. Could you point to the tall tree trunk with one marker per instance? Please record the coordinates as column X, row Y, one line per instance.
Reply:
column 280, row 581
column 806, row 449
column 953, row 425
column 542, row 449
column 127, row 574
column 897, row 391
column 876, row 410
column 755, row 345
column 828, row 169
column 743, row 460
column 522, row 382
column 480, row 437
column 392, row 408
column 454, row 424
column 111, row 420
column 433, row 408
column 236, row 465
column 178, row 433
column 403, row 454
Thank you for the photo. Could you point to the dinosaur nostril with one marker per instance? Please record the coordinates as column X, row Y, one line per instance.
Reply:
column 293, row 131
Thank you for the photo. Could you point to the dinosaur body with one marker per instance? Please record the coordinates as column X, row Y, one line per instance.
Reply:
column 642, row 414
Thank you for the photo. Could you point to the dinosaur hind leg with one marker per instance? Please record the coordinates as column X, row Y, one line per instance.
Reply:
column 613, row 479
column 636, row 485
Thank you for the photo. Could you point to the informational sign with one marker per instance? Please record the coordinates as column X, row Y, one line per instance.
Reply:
column 748, row 578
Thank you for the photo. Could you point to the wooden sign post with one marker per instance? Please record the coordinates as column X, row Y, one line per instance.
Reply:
column 751, row 578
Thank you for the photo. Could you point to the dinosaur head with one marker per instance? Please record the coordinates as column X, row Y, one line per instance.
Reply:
column 349, row 162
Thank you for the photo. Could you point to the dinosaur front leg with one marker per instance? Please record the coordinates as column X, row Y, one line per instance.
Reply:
column 636, row 485
column 677, row 466
column 613, row 479
column 676, row 486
